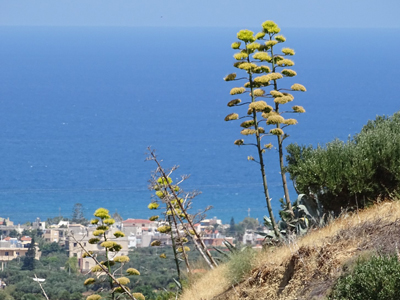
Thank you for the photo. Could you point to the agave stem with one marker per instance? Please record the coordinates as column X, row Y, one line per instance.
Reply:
column 261, row 160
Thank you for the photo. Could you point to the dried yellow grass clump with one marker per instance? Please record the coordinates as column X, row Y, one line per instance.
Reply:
column 308, row 265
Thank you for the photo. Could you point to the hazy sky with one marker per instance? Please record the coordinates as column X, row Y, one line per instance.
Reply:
column 240, row 13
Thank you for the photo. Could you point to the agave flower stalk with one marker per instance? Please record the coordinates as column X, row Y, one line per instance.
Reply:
column 179, row 206
column 117, row 285
column 261, row 66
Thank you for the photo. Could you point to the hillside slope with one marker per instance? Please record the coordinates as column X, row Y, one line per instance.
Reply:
column 307, row 267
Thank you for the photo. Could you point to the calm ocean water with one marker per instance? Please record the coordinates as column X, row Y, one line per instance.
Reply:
column 79, row 107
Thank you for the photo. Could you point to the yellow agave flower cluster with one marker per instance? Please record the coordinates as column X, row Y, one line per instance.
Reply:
column 162, row 191
column 103, row 220
column 265, row 67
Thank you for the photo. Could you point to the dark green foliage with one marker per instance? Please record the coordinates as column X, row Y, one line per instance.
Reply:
column 29, row 258
column 77, row 214
column 374, row 279
column 58, row 285
column 352, row 173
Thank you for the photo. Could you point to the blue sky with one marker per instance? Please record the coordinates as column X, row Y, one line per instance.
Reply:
column 288, row 13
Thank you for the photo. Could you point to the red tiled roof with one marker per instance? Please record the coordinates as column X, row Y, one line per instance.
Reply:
column 26, row 238
column 7, row 238
column 136, row 221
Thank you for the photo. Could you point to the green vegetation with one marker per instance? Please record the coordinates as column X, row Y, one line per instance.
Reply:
column 59, row 283
column 240, row 263
column 354, row 173
column 262, row 71
column 377, row 279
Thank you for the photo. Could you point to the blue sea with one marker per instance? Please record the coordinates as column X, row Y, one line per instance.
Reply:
column 80, row 105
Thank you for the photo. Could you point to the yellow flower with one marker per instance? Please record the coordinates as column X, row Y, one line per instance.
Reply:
column 98, row 232
column 290, row 122
column 230, row 77
column 160, row 194
column 253, row 46
column 87, row 254
column 283, row 99
column 247, row 124
column 155, row 243
column 240, row 55
column 180, row 249
column 288, row 73
column 248, row 131
column 164, row 229
column 268, row 146
column 298, row 109
column 275, row 76
column 94, row 241
column 108, row 244
column 153, row 205
column 235, row 45
column 234, row 102
column 267, row 115
column 276, row 131
column 261, row 130
column 101, row 213
column 163, row 255
column 239, row 142
column 285, row 62
column 246, row 35
column 93, row 297
column 237, row 90
column 247, row 66
column 123, row 280
column 132, row 271
column 280, row 38
column 258, row 92
column 275, row 93
column 275, row 119
column 89, row 281
column 162, row 180
column 270, row 27
column 270, row 43
column 121, row 259
column 260, row 106
column 138, row 296
column 94, row 221
column 96, row 268
column 288, row 51
column 153, row 218
column 119, row 234
column 260, row 35
column 109, row 221
column 298, row 87
column 231, row 117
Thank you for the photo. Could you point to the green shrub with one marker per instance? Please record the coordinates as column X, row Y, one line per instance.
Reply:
column 376, row 279
column 356, row 172
column 240, row 264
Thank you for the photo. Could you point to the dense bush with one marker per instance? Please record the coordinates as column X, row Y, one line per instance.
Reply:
column 375, row 279
column 356, row 172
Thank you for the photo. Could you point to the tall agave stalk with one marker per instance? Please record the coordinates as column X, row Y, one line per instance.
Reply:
column 262, row 63
column 176, row 205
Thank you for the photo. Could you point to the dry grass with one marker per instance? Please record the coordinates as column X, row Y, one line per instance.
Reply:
column 307, row 267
